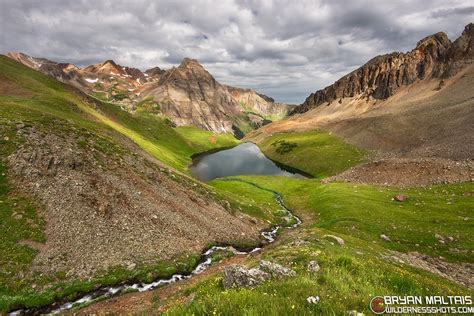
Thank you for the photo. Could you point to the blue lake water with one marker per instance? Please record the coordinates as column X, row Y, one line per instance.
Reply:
column 244, row 159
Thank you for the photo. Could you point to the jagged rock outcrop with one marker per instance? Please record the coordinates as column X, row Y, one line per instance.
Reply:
column 154, row 72
column 190, row 95
column 187, row 94
column 434, row 57
column 111, row 80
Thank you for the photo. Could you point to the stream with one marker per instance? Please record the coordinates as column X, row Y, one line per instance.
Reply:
column 205, row 262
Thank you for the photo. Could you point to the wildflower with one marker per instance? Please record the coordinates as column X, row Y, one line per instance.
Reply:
column 313, row 299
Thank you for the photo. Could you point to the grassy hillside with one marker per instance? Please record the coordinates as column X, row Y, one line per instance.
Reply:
column 367, row 211
column 29, row 98
column 352, row 274
column 30, row 95
column 318, row 153
column 156, row 135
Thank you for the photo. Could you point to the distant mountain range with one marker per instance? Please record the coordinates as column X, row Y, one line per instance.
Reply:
column 187, row 94
column 413, row 89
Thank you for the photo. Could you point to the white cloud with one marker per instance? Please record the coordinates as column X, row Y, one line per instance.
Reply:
column 285, row 49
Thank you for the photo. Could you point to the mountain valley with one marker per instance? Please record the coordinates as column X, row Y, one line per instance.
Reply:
column 96, row 190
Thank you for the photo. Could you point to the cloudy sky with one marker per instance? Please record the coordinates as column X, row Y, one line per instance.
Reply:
column 285, row 49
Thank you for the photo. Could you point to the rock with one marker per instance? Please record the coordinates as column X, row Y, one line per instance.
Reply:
column 313, row 299
column 276, row 270
column 400, row 197
column 298, row 242
column 434, row 57
column 385, row 238
column 440, row 238
column 238, row 276
column 354, row 313
column 313, row 266
column 336, row 239
column 131, row 266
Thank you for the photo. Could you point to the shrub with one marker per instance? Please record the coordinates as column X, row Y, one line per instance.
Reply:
column 283, row 147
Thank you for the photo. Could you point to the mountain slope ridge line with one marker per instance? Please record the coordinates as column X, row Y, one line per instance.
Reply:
column 187, row 94
column 434, row 57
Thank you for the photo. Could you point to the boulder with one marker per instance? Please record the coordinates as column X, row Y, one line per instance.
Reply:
column 400, row 197
column 276, row 270
column 238, row 276
column 131, row 266
column 313, row 266
column 336, row 239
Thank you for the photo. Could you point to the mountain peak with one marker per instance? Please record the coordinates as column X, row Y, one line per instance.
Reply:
column 155, row 71
column 469, row 28
column 190, row 63
column 106, row 66
column 109, row 62
column 15, row 55
column 438, row 39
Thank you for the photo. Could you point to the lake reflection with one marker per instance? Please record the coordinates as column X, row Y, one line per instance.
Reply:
column 244, row 159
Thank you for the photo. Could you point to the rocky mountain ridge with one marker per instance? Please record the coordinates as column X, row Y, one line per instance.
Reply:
column 187, row 94
column 401, row 105
column 434, row 57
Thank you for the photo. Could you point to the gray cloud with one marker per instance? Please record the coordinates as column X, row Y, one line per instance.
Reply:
column 283, row 48
column 453, row 11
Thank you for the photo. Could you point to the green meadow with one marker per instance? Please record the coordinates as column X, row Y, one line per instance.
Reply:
column 350, row 274
column 353, row 273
